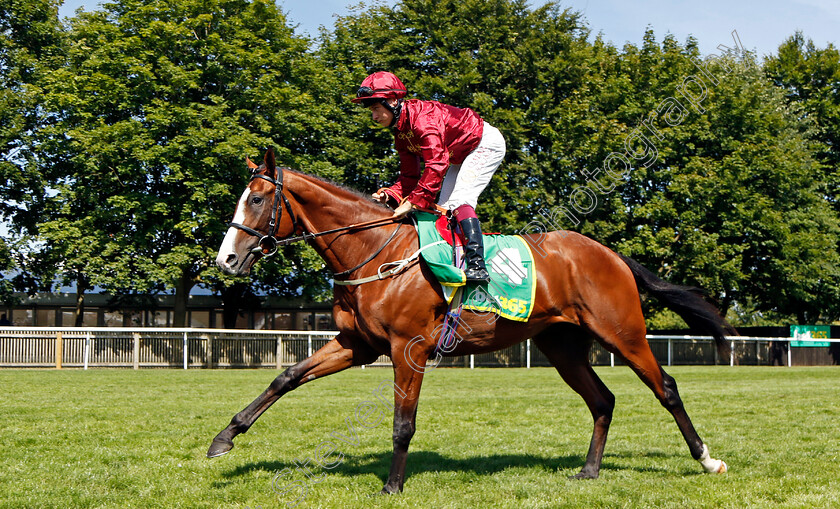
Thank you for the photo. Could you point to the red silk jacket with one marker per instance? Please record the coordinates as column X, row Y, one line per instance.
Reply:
column 437, row 134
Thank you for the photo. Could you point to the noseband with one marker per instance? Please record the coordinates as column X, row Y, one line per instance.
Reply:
column 268, row 241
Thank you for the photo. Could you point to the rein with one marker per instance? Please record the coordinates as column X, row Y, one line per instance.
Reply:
column 269, row 242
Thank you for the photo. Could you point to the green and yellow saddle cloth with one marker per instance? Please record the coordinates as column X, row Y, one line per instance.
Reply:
column 510, row 293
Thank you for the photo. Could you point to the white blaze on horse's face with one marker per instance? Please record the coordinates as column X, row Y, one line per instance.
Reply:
column 230, row 259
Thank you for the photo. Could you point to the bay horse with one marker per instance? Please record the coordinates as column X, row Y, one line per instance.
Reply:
column 584, row 292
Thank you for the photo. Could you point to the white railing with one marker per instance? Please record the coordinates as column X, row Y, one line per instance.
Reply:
column 733, row 342
column 155, row 347
column 222, row 348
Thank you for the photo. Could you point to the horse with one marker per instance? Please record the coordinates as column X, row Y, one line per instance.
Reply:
column 585, row 292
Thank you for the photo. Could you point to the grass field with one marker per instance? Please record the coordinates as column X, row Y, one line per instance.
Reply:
column 485, row 438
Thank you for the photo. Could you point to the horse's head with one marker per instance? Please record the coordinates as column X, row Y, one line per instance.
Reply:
column 259, row 219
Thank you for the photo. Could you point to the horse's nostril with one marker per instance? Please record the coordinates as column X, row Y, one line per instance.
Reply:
column 231, row 260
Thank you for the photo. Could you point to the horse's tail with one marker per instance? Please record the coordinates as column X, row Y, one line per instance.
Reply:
column 686, row 301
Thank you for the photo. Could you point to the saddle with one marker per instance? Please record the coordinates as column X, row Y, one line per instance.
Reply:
column 510, row 292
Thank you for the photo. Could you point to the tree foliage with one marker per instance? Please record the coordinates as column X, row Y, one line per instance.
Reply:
column 147, row 125
column 735, row 206
column 809, row 76
column 30, row 38
column 727, row 198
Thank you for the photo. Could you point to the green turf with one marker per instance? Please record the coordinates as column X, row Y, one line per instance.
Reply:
column 485, row 438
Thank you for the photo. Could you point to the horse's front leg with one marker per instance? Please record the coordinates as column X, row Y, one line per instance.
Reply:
column 409, row 364
column 339, row 354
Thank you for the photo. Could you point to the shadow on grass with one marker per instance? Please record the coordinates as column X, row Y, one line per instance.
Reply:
column 428, row 461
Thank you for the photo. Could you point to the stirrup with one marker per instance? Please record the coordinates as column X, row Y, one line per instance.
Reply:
column 477, row 275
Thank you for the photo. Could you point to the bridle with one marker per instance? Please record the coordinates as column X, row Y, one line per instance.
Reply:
column 269, row 242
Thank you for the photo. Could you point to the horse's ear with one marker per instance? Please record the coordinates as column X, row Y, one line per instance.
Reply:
column 251, row 164
column 270, row 163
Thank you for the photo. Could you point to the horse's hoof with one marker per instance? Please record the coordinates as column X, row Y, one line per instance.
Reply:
column 583, row 475
column 219, row 448
column 386, row 490
column 711, row 465
column 716, row 467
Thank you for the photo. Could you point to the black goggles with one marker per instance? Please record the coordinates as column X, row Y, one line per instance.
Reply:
column 367, row 91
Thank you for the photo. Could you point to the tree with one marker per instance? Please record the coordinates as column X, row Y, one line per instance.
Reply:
column 6, row 289
column 30, row 36
column 809, row 77
column 30, row 40
column 146, row 128
column 567, row 105
column 733, row 201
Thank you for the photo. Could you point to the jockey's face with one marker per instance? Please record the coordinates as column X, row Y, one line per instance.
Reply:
column 381, row 115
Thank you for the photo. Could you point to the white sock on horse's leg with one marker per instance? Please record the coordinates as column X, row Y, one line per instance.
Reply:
column 712, row 465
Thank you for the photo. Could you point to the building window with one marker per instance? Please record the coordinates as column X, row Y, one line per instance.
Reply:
column 114, row 318
column 260, row 321
column 68, row 318
column 135, row 318
column 200, row 319
column 323, row 321
column 161, row 319
column 23, row 317
column 282, row 321
column 45, row 318
column 90, row 319
column 242, row 320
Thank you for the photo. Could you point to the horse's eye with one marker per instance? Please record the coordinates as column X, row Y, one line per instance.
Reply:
column 256, row 200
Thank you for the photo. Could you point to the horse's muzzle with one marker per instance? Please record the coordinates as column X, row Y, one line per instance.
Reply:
column 231, row 264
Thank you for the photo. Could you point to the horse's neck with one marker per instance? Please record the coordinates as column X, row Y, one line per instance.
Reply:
column 323, row 206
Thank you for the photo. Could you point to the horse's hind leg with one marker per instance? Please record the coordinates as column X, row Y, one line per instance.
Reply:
column 570, row 356
column 632, row 346
column 339, row 354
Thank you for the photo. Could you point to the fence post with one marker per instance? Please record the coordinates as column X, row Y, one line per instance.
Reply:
column 528, row 353
column 670, row 351
column 472, row 361
column 87, row 348
column 136, row 356
column 186, row 352
column 59, row 350
column 612, row 360
column 309, row 346
column 208, row 351
column 278, row 357
column 731, row 353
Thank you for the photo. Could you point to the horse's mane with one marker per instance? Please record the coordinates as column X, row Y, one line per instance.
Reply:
column 358, row 194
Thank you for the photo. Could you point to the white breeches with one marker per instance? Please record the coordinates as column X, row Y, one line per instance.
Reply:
column 464, row 182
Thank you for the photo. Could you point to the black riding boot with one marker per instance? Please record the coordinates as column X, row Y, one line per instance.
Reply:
column 474, row 251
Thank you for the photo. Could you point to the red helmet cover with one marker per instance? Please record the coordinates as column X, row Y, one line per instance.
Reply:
column 380, row 85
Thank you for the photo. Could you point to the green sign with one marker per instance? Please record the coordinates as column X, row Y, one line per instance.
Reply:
column 809, row 335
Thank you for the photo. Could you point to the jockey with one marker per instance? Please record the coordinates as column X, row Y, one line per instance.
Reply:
column 460, row 153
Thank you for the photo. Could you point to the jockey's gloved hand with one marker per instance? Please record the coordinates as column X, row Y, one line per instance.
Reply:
column 403, row 210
